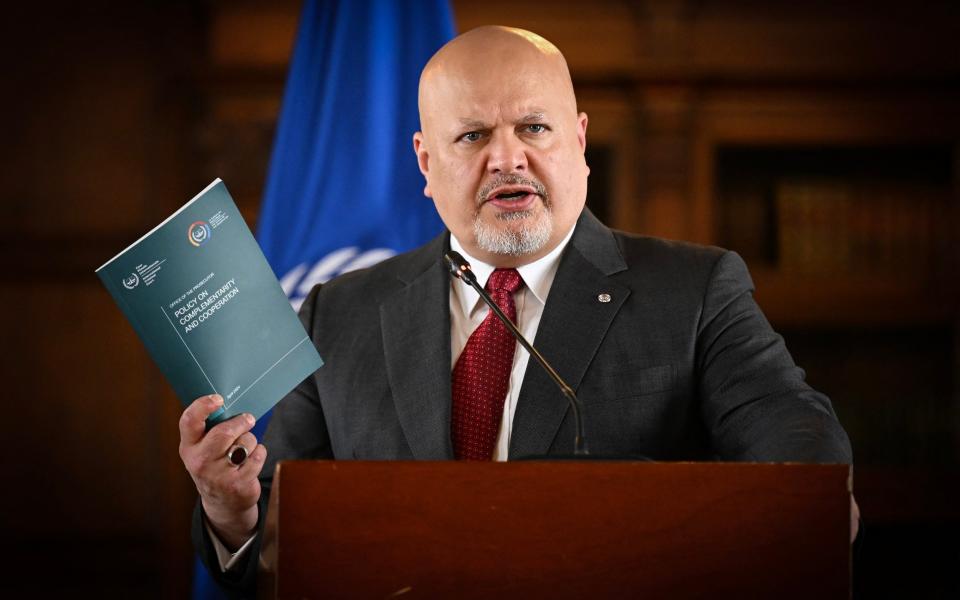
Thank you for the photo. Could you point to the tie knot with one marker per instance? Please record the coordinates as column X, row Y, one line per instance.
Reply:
column 504, row 280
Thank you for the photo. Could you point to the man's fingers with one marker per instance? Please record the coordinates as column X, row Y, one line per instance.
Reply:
column 254, row 463
column 218, row 440
column 241, row 449
column 248, row 441
column 193, row 420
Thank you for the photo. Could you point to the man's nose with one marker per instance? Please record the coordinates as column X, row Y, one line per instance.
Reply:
column 506, row 153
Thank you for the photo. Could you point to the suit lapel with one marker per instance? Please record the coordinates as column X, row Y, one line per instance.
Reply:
column 416, row 340
column 573, row 325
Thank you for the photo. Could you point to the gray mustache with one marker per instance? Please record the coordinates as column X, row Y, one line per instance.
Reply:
column 510, row 179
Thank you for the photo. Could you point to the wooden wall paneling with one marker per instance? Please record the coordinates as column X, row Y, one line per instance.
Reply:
column 74, row 139
column 956, row 386
column 236, row 140
column 796, row 118
column 745, row 40
column 100, row 134
column 85, row 470
column 612, row 124
column 954, row 254
column 249, row 35
column 75, row 379
column 628, row 212
column 821, row 116
column 250, row 44
column 665, row 134
column 657, row 40
column 598, row 40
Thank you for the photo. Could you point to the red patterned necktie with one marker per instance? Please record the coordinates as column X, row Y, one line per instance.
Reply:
column 482, row 374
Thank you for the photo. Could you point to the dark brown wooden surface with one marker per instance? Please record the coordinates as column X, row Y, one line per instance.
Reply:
column 558, row 530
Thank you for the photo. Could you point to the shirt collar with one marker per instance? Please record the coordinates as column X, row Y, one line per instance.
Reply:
column 537, row 276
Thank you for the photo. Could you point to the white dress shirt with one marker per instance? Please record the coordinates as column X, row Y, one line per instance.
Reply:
column 467, row 311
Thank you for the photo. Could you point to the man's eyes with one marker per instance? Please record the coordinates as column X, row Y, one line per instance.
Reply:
column 532, row 128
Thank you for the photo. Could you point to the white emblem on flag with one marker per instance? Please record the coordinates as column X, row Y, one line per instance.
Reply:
column 296, row 285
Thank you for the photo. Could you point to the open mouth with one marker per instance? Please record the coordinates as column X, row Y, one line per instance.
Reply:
column 512, row 198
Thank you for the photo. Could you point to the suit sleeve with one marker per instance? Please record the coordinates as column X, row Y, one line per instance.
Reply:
column 297, row 430
column 755, row 402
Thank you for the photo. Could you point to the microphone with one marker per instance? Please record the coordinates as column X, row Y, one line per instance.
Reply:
column 460, row 269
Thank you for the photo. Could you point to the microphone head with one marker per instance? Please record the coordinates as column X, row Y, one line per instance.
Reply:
column 458, row 266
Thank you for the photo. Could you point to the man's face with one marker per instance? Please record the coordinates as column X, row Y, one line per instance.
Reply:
column 502, row 153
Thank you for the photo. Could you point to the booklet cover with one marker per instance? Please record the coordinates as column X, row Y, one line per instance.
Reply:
column 208, row 307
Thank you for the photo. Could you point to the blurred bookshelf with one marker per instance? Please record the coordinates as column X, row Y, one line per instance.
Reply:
column 852, row 244
column 852, row 241
column 844, row 200
column 843, row 235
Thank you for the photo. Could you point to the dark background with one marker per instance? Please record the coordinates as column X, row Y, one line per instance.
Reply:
column 819, row 139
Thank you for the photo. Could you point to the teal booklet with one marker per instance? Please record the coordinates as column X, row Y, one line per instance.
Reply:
column 208, row 307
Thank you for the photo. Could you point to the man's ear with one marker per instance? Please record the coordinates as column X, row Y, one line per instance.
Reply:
column 582, row 131
column 423, row 160
column 582, row 134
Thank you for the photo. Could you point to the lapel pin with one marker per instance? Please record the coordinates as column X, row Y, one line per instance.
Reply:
column 604, row 298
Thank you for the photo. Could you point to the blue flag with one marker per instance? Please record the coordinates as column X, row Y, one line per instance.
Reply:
column 343, row 189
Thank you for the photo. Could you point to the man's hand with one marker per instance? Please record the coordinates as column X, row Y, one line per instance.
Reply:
column 228, row 493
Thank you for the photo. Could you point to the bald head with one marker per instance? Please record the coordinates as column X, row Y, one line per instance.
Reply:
column 501, row 145
column 487, row 56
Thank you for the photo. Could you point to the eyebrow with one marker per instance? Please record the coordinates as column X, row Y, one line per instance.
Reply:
column 533, row 117
column 473, row 123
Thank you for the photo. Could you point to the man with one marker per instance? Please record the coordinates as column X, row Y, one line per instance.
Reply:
column 670, row 355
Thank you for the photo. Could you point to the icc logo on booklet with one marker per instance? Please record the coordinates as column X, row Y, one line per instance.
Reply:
column 198, row 233
column 131, row 282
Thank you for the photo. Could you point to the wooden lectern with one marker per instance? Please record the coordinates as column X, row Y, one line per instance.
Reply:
column 347, row 529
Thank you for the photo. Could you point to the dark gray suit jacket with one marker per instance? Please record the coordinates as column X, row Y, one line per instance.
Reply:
column 679, row 365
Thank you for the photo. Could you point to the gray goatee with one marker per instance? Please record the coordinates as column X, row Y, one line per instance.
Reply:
column 508, row 242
